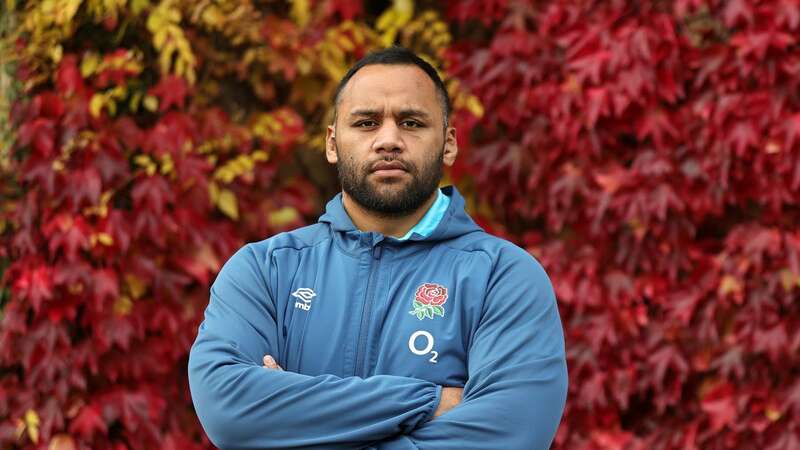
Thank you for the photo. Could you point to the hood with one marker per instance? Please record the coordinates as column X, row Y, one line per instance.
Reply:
column 456, row 222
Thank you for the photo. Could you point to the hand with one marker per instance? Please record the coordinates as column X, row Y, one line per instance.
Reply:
column 270, row 363
column 451, row 397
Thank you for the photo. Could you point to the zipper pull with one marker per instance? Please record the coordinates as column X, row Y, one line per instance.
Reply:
column 376, row 252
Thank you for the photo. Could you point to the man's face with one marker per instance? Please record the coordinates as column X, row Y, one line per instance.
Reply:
column 389, row 140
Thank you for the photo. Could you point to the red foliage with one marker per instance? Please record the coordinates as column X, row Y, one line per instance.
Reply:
column 653, row 146
column 111, row 264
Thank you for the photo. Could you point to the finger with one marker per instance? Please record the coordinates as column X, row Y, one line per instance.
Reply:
column 270, row 363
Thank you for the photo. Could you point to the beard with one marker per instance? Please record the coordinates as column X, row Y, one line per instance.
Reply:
column 390, row 198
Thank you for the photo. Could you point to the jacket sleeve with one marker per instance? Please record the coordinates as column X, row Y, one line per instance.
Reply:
column 243, row 405
column 517, row 373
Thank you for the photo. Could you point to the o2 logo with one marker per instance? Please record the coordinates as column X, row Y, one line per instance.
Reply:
column 423, row 337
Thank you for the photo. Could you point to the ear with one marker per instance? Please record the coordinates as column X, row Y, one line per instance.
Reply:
column 450, row 146
column 330, row 145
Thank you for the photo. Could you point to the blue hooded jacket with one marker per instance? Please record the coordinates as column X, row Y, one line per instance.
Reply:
column 368, row 329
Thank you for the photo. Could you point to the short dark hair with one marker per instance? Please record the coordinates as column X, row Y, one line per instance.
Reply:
column 396, row 55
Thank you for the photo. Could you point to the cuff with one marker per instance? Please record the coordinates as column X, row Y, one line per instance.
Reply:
column 437, row 397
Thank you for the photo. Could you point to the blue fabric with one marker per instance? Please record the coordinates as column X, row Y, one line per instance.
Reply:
column 432, row 217
column 369, row 329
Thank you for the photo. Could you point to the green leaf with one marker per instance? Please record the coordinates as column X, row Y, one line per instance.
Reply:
column 429, row 313
column 438, row 310
column 417, row 305
column 420, row 314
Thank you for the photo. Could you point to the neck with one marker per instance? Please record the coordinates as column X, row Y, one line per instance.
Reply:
column 366, row 220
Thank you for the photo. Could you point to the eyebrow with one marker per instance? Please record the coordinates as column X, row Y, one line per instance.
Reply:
column 365, row 113
column 407, row 112
column 411, row 112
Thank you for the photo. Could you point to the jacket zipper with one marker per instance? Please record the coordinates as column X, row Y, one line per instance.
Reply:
column 365, row 314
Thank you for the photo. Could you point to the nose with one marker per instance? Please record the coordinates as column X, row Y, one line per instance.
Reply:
column 388, row 138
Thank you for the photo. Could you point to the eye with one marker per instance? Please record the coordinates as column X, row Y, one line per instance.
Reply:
column 411, row 124
column 369, row 123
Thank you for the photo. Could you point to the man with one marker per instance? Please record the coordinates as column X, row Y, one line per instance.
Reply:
column 395, row 322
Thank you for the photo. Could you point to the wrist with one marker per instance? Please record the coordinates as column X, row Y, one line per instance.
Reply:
column 437, row 401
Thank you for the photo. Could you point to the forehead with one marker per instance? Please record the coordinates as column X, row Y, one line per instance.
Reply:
column 382, row 85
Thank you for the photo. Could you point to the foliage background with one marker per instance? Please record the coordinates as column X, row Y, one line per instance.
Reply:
column 646, row 152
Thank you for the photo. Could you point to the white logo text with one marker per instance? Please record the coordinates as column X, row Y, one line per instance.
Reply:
column 305, row 295
column 428, row 349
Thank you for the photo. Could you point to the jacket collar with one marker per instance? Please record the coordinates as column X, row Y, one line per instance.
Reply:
column 456, row 221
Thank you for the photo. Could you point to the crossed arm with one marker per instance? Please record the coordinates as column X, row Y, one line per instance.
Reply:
column 513, row 398
column 451, row 396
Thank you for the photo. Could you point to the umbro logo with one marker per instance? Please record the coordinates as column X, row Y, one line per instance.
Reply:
column 305, row 295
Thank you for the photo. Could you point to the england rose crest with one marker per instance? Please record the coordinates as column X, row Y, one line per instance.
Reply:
column 429, row 301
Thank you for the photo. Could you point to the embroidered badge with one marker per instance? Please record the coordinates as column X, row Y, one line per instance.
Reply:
column 429, row 301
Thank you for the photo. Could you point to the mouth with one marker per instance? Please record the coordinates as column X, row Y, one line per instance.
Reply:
column 389, row 172
column 389, row 169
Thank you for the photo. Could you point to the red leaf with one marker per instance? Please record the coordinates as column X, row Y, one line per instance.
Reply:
column 170, row 135
column 593, row 395
column 138, row 411
column 39, row 172
column 50, row 105
column 773, row 341
column 792, row 400
column 128, row 133
column 742, row 135
column 152, row 193
column 83, row 187
column 792, row 127
column 193, row 170
column 788, row 440
column 611, row 440
column 68, row 233
column 88, row 422
column 114, row 330
column 788, row 14
column 78, row 272
column 35, row 285
column 118, row 225
column 730, row 363
column 346, row 9
column 68, row 77
column 656, row 124
column 759, row 42
column 41, row 134
column 105, row 287
column 719, row 404
column 664, row 359
column 172, row 91
column 596, row 104
column 736, row 10
column 214, row 123
column 590, row 66
column 201, row 264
